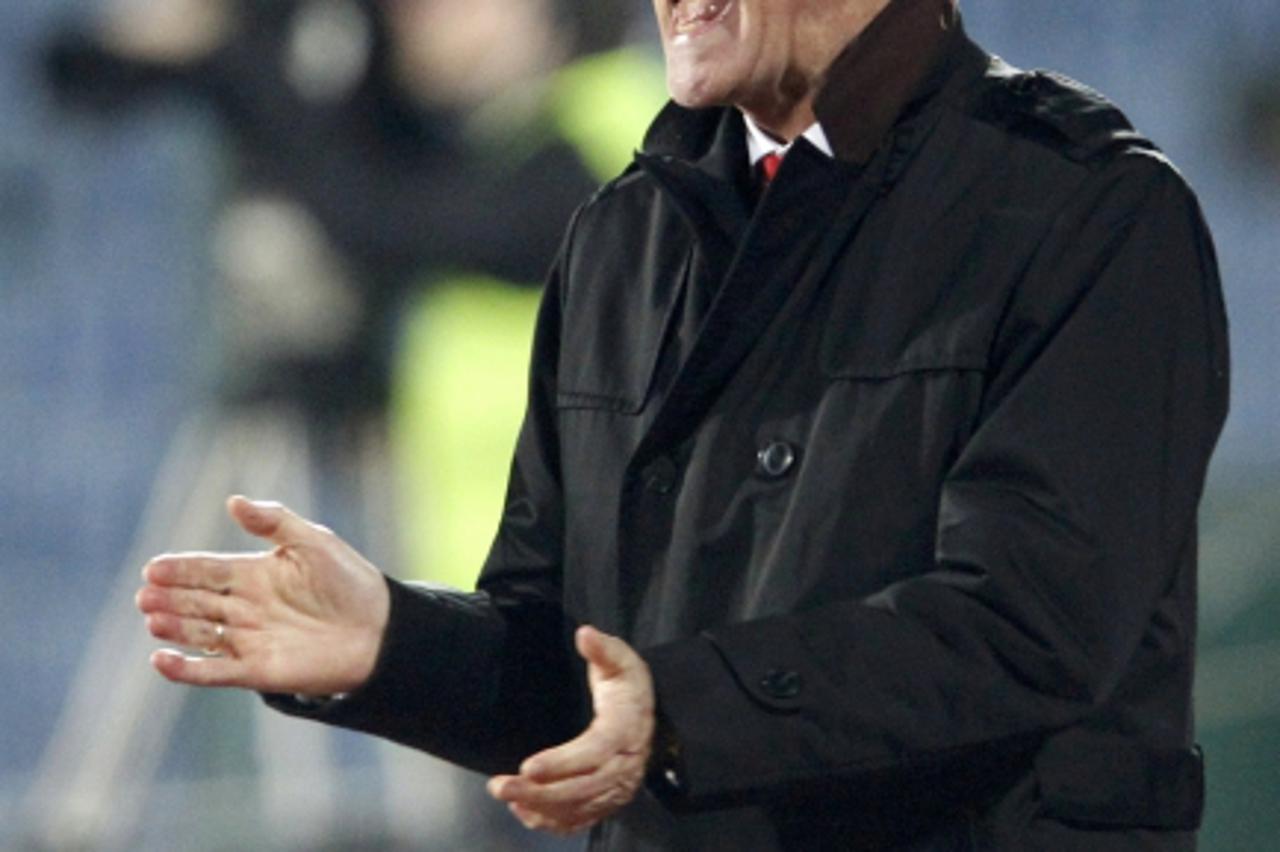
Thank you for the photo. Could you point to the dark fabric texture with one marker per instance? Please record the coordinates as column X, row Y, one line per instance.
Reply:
column 906, row 527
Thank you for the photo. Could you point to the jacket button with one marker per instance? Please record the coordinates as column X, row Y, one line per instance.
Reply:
column 782, row 684
column 660, row 475
column 775, row 460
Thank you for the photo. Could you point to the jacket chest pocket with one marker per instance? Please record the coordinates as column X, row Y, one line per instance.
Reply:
column 881, row 329
column 924, row 298
column 615, row 325
column 911, row 356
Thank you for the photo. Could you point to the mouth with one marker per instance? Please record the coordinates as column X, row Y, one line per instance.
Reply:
column 691, row 18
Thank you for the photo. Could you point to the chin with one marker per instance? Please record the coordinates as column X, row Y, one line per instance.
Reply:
column 695, row 90
column 692, row 100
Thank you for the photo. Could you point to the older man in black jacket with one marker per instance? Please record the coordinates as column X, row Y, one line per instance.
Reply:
column 883, row 463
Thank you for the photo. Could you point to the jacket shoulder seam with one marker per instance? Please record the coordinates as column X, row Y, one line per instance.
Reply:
column 1056, row 113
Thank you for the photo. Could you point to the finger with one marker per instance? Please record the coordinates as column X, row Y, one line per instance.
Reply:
column 200, row 671
column 585, row 753
column 614, row 783
column 610, row 801
column 193, row 603
column 535, row 821
column 192, row 632
column 585, row 812
column 272, row 521
column 211, row 571
column 529, row 819
column 611, row 656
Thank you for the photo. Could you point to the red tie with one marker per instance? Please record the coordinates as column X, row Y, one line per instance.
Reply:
column 769, row 166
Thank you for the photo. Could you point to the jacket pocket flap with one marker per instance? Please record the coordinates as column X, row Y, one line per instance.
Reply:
column 904, row 337
column 613, row 337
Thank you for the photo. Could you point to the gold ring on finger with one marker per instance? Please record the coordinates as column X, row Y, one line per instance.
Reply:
column 219, row 637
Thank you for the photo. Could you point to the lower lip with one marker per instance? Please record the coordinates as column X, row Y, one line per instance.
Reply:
column 702, row 27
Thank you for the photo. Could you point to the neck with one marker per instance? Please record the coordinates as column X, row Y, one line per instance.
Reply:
column 785, row 126
column 786, row 110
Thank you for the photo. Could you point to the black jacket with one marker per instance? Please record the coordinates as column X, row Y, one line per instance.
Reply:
column 892, row 476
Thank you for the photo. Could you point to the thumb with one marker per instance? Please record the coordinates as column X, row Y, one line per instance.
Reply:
column 608, row 654
column 269, row 520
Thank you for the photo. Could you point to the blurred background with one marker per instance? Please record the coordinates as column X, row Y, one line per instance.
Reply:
column 291, row 248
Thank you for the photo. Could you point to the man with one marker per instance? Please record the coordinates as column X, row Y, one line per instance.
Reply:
column 886, row 473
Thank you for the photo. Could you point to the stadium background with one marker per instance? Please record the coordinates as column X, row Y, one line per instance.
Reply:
column 105, row 280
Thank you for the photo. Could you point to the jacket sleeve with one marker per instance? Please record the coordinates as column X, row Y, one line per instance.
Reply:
column 484, row 679
column 1061, row 525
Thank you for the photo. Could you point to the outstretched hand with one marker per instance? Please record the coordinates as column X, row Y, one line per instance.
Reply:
column 575, row 785
column 306, row 617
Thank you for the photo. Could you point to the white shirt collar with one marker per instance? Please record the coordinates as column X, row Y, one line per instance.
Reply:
column 760, row 143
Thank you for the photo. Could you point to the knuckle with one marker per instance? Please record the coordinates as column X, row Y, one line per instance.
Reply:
column 597, row 806
column 192, row 604
column 552, row 825
column 147, row 598
column 206, row 674
column 220, row 574
column 212, row 608
column 166, row 627
column 167, row 572
column 240, row 615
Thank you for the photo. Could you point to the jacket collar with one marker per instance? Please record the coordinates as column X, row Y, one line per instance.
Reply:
column 902, row 57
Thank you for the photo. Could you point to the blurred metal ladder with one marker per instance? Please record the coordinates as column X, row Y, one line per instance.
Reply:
column 101, row 763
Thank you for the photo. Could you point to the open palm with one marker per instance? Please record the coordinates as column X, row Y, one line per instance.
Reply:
column 306, row 617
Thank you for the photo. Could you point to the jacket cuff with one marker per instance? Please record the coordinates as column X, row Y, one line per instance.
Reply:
column 758, row 718
column 411, row 681
column 699, row 761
